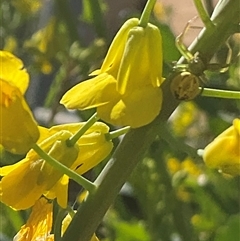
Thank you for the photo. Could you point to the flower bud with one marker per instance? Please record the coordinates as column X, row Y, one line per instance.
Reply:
column 223, row 153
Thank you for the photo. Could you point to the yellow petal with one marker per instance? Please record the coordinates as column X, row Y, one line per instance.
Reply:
column 44, row 134
column 74, row 127
column 13, row 72
column 141, row 62
column 64, row 154
column 136, row 109
column 49, row 140
column 59, row 191
column 93, row 145
column 23, row 193
column 39, row 223
column 91, row 155
column 18, row 128
column 93, row 148
column 115, row 52
column 7, row 169
column 91, row 93
column 94, row 238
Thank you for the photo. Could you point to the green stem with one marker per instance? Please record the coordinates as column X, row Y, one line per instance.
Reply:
column 226, row 19
column 82, row 130
column 227, row 94
column 70, row 211
column 58, row 224
column 146, row 13
column 64, row 13
column 98, row 19
column 203, row 14
column 117, row 133
column 59, row 166
column 136, row 142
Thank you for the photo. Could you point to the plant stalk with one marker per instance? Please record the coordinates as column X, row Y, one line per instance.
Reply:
column 136, row 142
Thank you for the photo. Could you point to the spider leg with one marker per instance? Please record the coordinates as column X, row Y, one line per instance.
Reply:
column 179, row 42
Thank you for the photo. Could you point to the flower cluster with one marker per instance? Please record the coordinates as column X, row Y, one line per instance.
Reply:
column 36, row 177
column 126, row 92
column 126, row 89
column 33, row 180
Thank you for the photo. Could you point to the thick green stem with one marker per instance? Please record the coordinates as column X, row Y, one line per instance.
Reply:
column 226, row 94
column 58, row 224
column 98, row 20
column 146, row 13
column 203, row 14
column 64, row 13
column 136, row 142
column 59, row 166
column 226, row 18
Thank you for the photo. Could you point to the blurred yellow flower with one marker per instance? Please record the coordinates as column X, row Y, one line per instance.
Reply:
column 190, row 167
column 126, row 89
column 173, row 165
column 35, row 177
column 27, row 6
column 184, row 117
column 18, row 128
column 223, row 152
column 11, row 43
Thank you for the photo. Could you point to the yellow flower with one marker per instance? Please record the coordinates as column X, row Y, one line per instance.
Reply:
column 126, row 89
column 35, row 177
column 224, row 152
column 39, row 223
column 18, row 128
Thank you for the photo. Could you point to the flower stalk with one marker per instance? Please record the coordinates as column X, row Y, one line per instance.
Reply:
column 59, row 166
column 127, row 155
column 226, row 94
column 114, row 134
column 146, row 13
column 71, row 141
column 203, row 14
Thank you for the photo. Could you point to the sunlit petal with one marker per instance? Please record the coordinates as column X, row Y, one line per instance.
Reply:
column 91, row 93
column 13, row 71
column 39, row 223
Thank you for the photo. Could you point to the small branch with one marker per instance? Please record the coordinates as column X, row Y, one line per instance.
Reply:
column 136, row 142
column 146, row 13
column 59, row 166
column 98, row 19
column 117, row 133
column 226, row 94
column 203, row 14
column 58, row 224
column 71, row 142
